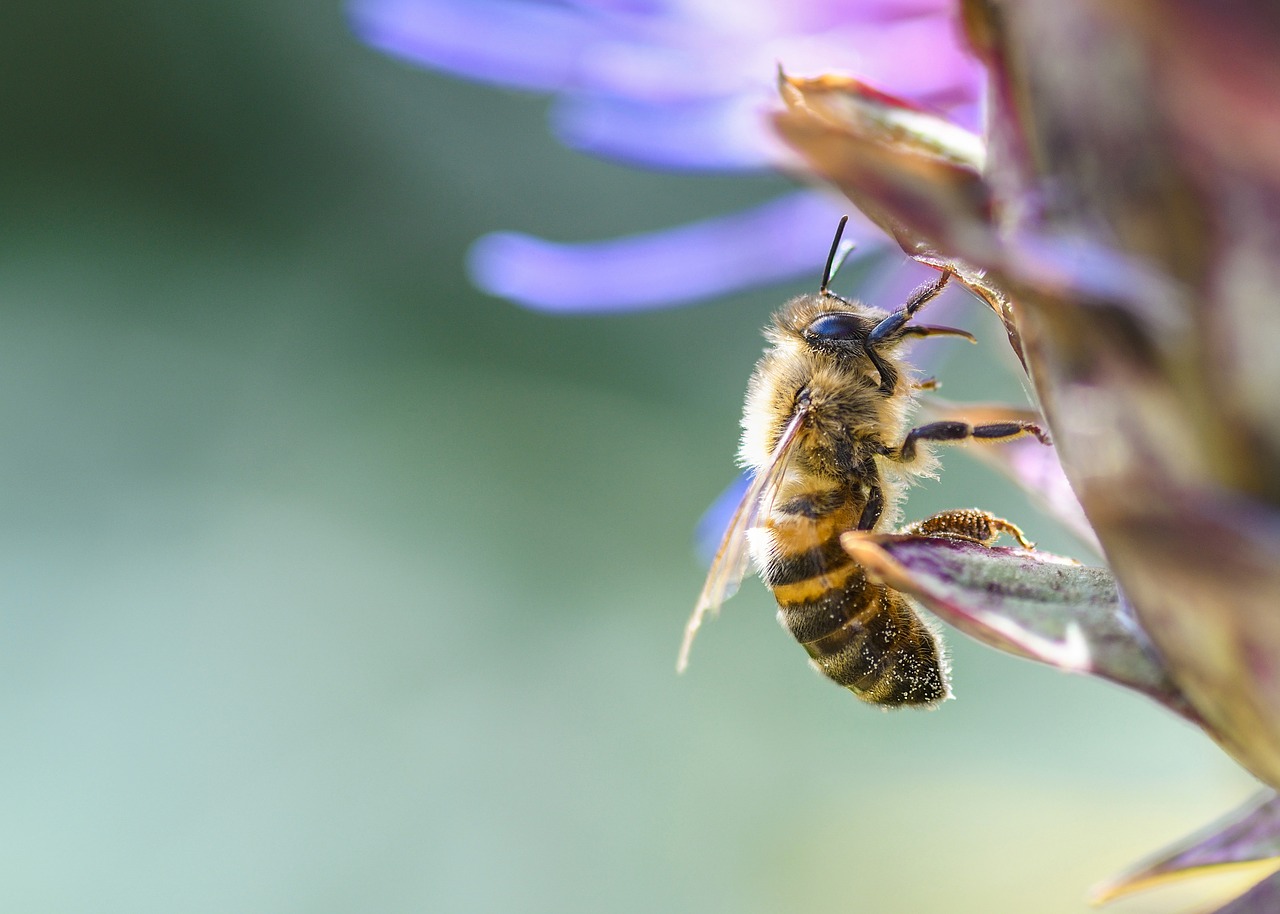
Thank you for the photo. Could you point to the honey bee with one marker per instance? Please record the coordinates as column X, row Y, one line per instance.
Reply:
column 825, row 432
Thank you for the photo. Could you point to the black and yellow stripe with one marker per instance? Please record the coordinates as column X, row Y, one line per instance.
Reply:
column 861, row 635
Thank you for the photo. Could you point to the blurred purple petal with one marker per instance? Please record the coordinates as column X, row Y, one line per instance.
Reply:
column 528, row 45
column 719, row 134
column 820, row 15
column 771, row 243
column 715, row 520
column 1249, row 833
column 676, row 84
column 1038, row 471
column 617, row 65
column 921, row 59
column 1026, row 461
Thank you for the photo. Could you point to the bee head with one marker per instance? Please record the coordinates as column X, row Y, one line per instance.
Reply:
column 824, row 326
column 826, row 323
column 835, row 326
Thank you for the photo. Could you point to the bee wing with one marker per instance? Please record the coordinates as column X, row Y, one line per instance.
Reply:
column 730, row 563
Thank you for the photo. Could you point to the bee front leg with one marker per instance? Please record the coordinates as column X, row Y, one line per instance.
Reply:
column 972, row 524
column 891, row 329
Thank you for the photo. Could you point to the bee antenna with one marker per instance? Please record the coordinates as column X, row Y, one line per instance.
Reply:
column 827, row 271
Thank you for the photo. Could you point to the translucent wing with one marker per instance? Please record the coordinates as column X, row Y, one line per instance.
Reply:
column 731, row 559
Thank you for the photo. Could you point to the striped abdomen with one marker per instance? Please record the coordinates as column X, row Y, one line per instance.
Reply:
column 864, row 636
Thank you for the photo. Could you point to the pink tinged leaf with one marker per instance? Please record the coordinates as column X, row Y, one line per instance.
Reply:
column 1031, row 604
column 1249, row 834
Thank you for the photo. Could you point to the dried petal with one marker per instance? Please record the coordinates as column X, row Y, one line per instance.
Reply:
column 1250, row 833
column 913, row 173
column 1032, row 604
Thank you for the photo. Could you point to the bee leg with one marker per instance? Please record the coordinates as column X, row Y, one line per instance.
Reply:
column 888, row 377
column 972, row 524
column 961, row 431
column 890, row 330
column 875, row 498
column 891, row 327
column 923, row 330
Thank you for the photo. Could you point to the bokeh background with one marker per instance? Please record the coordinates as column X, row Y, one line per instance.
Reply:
column 328, row 584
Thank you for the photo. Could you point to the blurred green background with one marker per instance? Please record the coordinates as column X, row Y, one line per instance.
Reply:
column 328, row 584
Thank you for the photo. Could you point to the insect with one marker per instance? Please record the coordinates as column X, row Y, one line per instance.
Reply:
column 825, row 432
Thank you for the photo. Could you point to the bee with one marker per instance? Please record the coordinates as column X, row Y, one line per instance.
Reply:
column 825, row 433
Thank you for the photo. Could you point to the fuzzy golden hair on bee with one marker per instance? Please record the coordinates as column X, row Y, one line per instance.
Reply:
column 848, row 410
column 825, row 434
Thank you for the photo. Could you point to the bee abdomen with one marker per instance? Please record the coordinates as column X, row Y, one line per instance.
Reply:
column 820, row 562
column 866, row 638
column 884, row 654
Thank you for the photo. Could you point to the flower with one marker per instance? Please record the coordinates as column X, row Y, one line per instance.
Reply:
column 1123, row 223
column 682, row 85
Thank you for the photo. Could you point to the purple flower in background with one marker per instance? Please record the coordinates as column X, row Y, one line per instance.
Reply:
column 681, row 85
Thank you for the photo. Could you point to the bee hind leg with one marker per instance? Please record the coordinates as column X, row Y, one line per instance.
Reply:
column 972, row 524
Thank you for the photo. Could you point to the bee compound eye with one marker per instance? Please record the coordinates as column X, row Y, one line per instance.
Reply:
column 839, row 326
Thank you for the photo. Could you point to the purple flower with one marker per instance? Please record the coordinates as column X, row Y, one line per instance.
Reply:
column 679, row 85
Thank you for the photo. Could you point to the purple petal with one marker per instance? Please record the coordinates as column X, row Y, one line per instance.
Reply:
column 715, row 520
column 719, row 134
column 770, row 243
column 920, row 59
column 814, row 15
column 528, row 45
column 1250, row 833
column 1038, row 471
